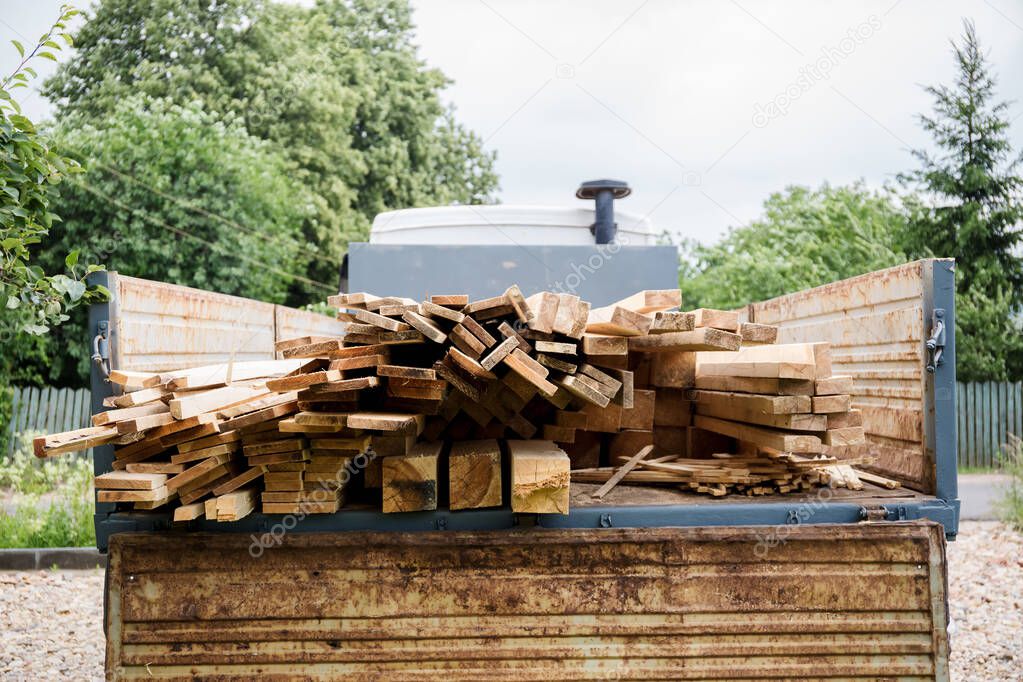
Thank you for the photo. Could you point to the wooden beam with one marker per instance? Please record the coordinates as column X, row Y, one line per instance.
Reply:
column 410, row 481
column 474, row 474
column 540, row 477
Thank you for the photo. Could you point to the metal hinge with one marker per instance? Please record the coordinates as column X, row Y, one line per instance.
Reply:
column 936, row 343
column 879, row 512
column 101, row 348
column 873, row 514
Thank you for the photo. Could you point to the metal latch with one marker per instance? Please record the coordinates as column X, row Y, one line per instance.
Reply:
column 101, row 348
column 936, row 344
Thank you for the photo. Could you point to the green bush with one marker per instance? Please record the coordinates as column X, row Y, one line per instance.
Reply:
column 1011, row 503
column 67, row 521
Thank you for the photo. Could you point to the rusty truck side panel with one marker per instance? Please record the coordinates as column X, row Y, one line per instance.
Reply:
column 164, row 326
column 857, row 602
column 877, row 328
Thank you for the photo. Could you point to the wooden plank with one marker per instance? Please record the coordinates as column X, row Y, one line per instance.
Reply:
column 117, row 480
column 622, row 471
column 397, row 371
column 151, row 421
column 154, row 468
column 555, row 347
column 518, row 302
column 236, row 505
column 127, row 413
column 189, row 512
column 763, row 385
column 544, row 309
column 652, row 300
column 224, row 373
column 834, row 385
column 745, row 404
column 672, row 321
column 824, row 404
column 192, row 474
column 509, row 332
column 762, row 436
column 525, row 367
column 725, row 320
column 474, row 474
column 387, row 421
column 615, row 320
column 128, row 378
column 585, row 389
column 260, row 416
column 477, row 330
column 540, row 477
column 470, row 365
column 753, row 333
column 781, row 361
column 787, row 421
column 213, row 401
column 453, row 300
column 849, row 435
column 203, row 453
column 467, row 342
column 703, row 339
column 364, row 362
column 434, row 310
column 601, row 344
column 572, row 316
column 140, row 397
column 551, row 362
column 256, row 404
column 425, row 326
column 154, row 495
column 673, row 369
column 378, row 320
column 410, row 481
column 296, row 382
column 73, row 441
column 499, row 353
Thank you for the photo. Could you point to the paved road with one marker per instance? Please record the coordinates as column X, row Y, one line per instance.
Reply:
column 978, row 494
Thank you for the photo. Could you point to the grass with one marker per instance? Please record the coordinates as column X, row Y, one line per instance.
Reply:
column 65, row 519
column 1011, row 503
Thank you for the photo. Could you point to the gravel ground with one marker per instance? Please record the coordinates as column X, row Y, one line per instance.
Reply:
column 51, row 625
column 50, row 621
column 985, row 577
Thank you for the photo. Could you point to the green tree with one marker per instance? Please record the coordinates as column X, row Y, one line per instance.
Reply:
column 181, row 195
column 805, row 238
column 971, row 208
column 337, row 87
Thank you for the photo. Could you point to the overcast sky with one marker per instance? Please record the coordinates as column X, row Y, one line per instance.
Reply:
column 705, row 108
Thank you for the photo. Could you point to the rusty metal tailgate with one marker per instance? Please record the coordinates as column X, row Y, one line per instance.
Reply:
column 832, row 601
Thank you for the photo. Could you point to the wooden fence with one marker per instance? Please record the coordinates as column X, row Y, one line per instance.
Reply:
column 988, row 412
column 47, row 409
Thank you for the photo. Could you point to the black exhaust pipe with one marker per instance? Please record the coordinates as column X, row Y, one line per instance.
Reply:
column 604, row 193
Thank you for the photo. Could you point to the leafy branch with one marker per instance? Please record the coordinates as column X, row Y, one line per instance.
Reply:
column 19, row 78
column 30, row 300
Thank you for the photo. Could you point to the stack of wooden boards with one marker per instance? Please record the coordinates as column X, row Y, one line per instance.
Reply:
column 477, row 404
